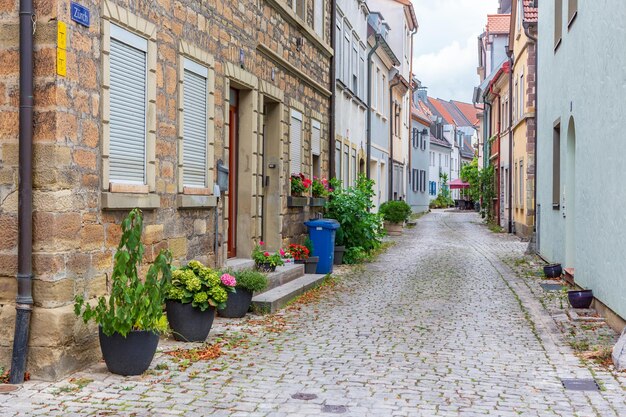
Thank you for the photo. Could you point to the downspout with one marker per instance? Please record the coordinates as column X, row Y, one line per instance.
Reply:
column 510, row 196
column 533, row 39
column 369, row 103
column 392, row 121
column 24, row 299
column 333, row 89
column 410, row 165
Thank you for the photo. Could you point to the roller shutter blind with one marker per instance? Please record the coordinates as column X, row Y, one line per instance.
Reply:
column 127, row 146
column 318, row 18
column 295, row 142
column 195, row 124
column 316, row 137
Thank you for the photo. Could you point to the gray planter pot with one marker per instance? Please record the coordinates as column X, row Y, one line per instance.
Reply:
column 297, row 201
column 130, row 355
column 339, row 251
column 317, row 202
column 310, row 264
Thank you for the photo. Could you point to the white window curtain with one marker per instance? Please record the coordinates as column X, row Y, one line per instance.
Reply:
column 128, row 74
column 195, row 124
column 295, row 142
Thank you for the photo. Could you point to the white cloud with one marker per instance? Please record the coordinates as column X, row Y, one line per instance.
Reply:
column 445, row 50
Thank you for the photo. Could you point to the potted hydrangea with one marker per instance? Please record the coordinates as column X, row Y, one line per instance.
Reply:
column 195, row 292
column 265, row 261
column 249, row 281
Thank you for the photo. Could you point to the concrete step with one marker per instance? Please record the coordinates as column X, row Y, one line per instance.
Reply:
column 237, row 264
column 276, row 298
column 283, row 275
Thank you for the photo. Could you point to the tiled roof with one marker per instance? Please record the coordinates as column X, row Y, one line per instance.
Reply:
column 440, row 142
column 530, row 12
column 418, row 111
column 469, row 111
column 498, row 23
column 467, row 151
column 440, row 110
column 457, row 116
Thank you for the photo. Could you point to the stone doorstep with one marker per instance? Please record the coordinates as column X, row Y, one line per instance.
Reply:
column 237, row 264
column 283, row 275
column 274, row 299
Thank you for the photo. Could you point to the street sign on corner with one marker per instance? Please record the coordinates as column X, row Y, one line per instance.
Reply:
column 79, row 14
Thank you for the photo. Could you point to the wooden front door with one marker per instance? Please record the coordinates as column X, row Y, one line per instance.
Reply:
column 233, row 147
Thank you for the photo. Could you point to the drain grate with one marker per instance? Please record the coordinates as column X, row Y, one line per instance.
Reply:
column 304, row 396
column 552, row 287
column 580, row 384
column 335, row 409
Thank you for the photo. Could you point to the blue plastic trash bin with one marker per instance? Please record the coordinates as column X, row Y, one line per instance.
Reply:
column 322, row 235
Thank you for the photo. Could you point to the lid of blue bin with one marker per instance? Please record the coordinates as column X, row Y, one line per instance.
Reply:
column 331, row 224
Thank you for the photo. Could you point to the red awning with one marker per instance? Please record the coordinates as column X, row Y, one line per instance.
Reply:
column 458, row 184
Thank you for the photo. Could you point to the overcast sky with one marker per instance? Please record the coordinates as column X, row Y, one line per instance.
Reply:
column 445, row 49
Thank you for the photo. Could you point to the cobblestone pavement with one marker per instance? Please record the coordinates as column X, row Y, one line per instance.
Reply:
column 437, row 326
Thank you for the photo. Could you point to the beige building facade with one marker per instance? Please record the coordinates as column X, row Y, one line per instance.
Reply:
column 139, row 109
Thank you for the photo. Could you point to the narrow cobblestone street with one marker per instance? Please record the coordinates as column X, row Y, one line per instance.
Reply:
column 437, row 326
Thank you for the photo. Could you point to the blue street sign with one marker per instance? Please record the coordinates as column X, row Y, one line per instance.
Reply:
column 79, row 14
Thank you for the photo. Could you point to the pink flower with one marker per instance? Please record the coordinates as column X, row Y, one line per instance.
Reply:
column 228, row 280
column 266, row 254
column 261, row 243
column 282, row 252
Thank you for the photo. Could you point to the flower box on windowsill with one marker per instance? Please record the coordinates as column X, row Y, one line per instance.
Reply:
column 317, row 202
column 293, row 201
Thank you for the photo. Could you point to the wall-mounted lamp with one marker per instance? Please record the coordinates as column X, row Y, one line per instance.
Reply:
column 299, row 43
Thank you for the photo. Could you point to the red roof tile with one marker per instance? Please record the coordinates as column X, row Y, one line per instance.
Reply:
column 442, row 110
column 498, row 23
column 530, row 12
column 469, row 111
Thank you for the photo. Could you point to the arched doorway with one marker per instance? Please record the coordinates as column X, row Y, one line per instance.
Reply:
column 569, row 197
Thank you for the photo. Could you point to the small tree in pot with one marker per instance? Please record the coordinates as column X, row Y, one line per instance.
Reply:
column 395, row 213
column 132, row 318
column 195, row 292
column 249, row 281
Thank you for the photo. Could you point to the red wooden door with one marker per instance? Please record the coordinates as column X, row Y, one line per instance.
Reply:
column 233, row 146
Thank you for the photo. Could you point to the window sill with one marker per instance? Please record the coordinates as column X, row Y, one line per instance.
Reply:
column 128, row 201
column 195, row 201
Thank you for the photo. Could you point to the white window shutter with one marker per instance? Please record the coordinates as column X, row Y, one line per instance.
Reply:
column 318, row 18
column 316, row 138
column 127, row 146
column 195, row 125
column 295, row 143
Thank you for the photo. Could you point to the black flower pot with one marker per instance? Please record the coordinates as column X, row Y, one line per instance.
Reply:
column 552, row 270
column 580, row 299
column 130, row 355
column 310, row 264
column 338, row 259
column 189, row 324
column 237, row 304
column 266, row 267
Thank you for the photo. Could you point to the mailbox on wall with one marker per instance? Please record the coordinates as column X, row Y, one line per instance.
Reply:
column 222, row 176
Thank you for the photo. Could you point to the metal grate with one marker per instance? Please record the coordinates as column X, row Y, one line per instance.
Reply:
column 580, row 384
column 304, row 396
column 335, row 409
column 552, row 287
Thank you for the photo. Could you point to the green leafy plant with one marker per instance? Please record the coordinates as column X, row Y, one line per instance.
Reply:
column 351, row 207
column 251, row 280
column 339, row 237
column 201, row 286
column 134, row 304
column 471, row 175
column 355, row 255
column 308, row 243
column 320, row 187
column 487, row 182
column 262, row 257
column 396, row 211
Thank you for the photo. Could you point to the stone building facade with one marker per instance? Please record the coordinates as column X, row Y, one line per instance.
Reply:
column 259, row 62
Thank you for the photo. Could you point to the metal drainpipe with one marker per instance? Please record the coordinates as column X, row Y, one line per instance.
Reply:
column 533, row 39
column 510, row 55
column 392, row 120
column 24, row 299
column 410, row 165
column 369, row 104
column 333, row 89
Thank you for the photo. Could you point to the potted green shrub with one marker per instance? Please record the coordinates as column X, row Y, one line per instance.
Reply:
column 395, row 213
column 131, row 319
column 340, row 247
column 249, row 281
column 265, row 261
column 195, row 292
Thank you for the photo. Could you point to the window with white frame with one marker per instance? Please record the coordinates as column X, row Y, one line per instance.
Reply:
column 355, row 66
column 346, row 165
column 338, row 47
column 362, row 73
column 353, row 165
column 346, row 54
column 423, row 181
column 521, row 184
column 338, row 160
column 127, row 104
column 414, row 180
column 375, row 82
column 383, row 95
column 318, row 17
column 195, row 92
column 522, row 99
column 295, row 142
